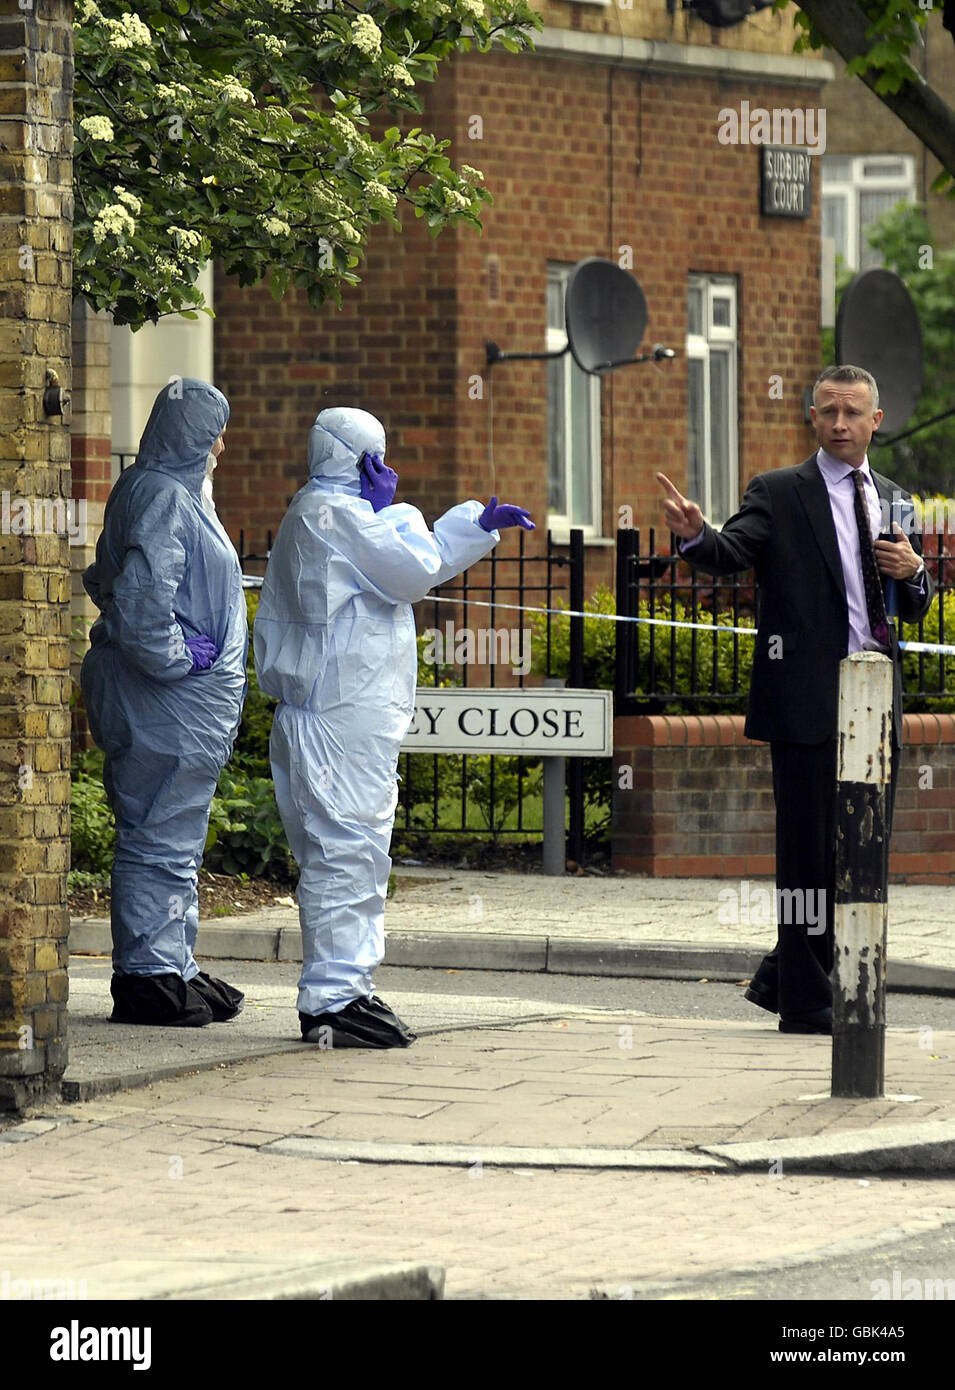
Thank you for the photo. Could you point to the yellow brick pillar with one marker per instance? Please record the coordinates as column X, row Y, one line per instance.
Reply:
column 37, row 520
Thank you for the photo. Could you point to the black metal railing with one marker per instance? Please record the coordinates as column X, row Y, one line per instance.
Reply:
column 490, row 595
column 246, row 557
column 660, row 666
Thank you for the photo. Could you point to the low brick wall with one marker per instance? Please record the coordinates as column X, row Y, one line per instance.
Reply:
column 693, row 797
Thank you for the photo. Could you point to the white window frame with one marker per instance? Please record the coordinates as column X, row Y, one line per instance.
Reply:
column 699, row 348
column 867, row 173
column 556, row 341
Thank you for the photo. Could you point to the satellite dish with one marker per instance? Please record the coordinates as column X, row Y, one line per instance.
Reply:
column 877, row 327
column 606, row 314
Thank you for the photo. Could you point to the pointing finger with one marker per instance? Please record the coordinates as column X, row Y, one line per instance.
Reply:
column 674, row 491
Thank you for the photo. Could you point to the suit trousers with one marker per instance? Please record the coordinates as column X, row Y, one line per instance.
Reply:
column 796, row 974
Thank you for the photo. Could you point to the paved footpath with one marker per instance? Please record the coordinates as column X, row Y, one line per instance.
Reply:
column 606, row 924
column 524, row 1149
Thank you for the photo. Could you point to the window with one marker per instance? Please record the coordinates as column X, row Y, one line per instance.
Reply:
column 573, row 424
column 856, row 191
column 144, row 362
column 713, row 465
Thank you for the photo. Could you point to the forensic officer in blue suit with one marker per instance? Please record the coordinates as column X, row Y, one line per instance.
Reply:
column 163, row 685
column 335, row 645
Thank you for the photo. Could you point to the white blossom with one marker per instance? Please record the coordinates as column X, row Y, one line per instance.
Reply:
column 187, row 238
column 128, row 32
column 470, row 173
column 113, row 220
column 348, row 232
column 366, row 36
column 346, row 129
column 273, row 45
column 472, row 7
column 172, row 91
column 456, row 200
column 233, row 89
column 397, row 73
column 98, row 127
column 381, row 192
column 275, row 226
column 132, row 202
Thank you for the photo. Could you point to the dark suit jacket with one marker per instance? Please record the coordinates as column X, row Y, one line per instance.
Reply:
column 785, row 532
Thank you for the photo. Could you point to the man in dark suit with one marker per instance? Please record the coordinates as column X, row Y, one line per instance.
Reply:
column 803, row 531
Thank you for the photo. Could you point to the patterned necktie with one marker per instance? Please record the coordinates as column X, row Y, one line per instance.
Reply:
column 874, row 598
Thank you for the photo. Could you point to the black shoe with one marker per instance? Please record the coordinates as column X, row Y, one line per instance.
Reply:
column 362, row 1023
column 224, row 1000
column 818, row 1022
column 763, row 997
column 163, row 1001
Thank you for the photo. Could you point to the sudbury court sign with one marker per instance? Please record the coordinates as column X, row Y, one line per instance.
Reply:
column 785, row 182
column 548, row 722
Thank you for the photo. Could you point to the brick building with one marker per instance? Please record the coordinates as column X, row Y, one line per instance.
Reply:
column 602, row 143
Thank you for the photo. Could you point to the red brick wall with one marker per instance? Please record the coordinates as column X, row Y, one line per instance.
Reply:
column 581, row 160
column 701, row 801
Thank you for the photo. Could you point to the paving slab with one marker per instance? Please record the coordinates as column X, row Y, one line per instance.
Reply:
column 108, row 1056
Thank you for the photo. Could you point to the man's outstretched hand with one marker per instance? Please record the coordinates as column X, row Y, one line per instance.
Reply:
column 683, row 517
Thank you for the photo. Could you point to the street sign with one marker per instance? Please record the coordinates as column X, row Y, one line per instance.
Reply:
column 785, row 182
column 540, row 722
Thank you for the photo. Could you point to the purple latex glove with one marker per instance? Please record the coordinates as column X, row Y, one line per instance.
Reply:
column 203, row 651
column 499, row 516
column 378, row 482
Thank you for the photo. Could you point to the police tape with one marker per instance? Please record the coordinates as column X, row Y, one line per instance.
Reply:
column 935, row 648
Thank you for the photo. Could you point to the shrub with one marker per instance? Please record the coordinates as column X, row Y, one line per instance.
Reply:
column 245, row 831
column 251, row 751
column 507, row 786
column 93, row 830
column 939, row 670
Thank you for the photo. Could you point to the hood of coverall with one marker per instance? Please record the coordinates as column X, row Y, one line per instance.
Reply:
column 336, row 443
column 186, row 420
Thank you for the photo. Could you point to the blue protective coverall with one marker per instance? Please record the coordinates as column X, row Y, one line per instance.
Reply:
column 165, row 570
column 335, row 644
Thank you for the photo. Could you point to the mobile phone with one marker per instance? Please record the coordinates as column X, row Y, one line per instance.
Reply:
column 900, row 513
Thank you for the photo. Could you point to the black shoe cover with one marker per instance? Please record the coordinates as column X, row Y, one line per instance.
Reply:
column 165, row 1001
column 224, row 1000
column 362, row 1023
column 819, row 1021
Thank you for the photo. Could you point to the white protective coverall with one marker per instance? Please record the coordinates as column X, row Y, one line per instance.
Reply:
column 334, row 642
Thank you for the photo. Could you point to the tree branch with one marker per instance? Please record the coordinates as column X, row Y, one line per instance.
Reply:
column 844, row 27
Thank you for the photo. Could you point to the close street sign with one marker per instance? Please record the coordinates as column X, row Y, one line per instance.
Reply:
column 549, row 722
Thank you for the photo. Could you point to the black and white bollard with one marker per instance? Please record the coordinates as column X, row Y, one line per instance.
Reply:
column 862, row 853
